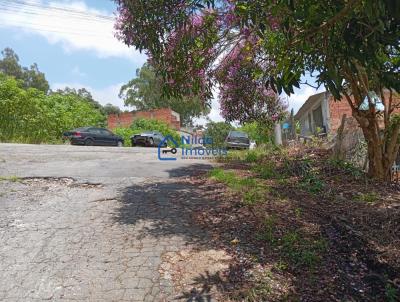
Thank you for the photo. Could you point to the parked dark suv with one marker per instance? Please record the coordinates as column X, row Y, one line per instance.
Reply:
column 92, row 136
column 237, row 140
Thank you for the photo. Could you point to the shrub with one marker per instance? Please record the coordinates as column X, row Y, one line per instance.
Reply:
column 126, row 133
column 259, row 133
column 142, row 124
column 30, row 116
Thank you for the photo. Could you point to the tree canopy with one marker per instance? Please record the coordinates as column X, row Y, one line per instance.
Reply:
column 145, row 93
column 31, row 77
column 265, row 46
column 111, row 109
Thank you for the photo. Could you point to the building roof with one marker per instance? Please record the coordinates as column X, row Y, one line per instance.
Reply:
column 308, row 104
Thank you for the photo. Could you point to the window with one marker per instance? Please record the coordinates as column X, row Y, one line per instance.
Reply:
column 105, row 132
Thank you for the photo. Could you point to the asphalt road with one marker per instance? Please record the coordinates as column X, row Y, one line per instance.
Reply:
column 92, row 223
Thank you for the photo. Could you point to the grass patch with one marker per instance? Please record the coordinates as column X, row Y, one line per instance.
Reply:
column 292, row 245
column 370, row 197
column 265, row 171
column 11, row 178
column 312, row 183
column 252, row 191
column 348, row 167
column 247, row 156
column 260, row 290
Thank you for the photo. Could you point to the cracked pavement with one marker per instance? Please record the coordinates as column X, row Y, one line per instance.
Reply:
column 93, row 223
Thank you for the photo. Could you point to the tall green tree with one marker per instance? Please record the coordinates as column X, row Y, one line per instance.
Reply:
column 145, row 92
column 111, row 109
column 31, row 77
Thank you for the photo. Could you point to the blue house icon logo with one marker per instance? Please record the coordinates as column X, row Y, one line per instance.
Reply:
column 165, row 151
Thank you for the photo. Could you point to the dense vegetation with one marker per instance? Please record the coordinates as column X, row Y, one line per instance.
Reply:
column 141, row 125
column 31, row 116
column 32, row 113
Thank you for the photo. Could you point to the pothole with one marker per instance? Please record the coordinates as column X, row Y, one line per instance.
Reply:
column 58, row 181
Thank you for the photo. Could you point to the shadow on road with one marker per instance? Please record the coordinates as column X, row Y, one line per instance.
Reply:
column 192, row 170
column 168, row 210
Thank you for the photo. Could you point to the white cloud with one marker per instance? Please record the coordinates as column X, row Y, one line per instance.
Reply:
column 77, row 72
column 297, row 99
column 71, row 24
column 104, row 95
column 215, row 112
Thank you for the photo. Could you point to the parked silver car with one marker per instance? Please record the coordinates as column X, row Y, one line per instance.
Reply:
column 147, row 139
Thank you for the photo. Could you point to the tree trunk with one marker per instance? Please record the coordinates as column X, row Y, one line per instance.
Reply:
column 380, row 158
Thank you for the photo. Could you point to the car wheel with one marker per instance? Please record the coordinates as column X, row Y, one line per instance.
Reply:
column 89, row 142
column 151, row 142
column 120, row 144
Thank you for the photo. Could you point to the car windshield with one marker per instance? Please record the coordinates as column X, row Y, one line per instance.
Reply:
column 237, row 134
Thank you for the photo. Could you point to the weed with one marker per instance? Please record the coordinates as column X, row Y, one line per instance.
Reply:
column 312, row 183
column 261, row 289
column 348, row 167
column 252, row 156
column 222, row 176
column 292, row 246
column 390, row 293
column 370, row 197
column 254, row 195
column 300, row 251
column 252, row 191
column 12, row 178
column 281, row 265
column 268, row 232
column 265, row 171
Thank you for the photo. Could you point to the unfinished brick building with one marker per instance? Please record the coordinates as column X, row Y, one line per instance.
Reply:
column 323, row 112
column 125, row 119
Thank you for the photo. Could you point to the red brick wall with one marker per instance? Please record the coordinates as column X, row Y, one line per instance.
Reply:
column 125, row 119
column 336, row 111
column 338, row 108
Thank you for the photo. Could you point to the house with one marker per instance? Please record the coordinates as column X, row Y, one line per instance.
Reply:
column 322, row 113
column 125, row 119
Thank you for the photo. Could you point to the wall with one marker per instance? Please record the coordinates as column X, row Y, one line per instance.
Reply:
column 306, row 128
column 338, row 108
column 336, row 111
column 125, row 119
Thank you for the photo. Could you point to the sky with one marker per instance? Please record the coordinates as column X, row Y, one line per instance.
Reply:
column 73, row 43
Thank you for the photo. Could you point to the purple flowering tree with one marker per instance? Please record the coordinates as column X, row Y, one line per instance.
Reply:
column 198, row 46
column 351, row 46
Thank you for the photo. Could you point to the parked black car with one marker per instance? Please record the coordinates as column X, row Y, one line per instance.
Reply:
column 92, row 136
column 147, row 139
column 237, row 140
